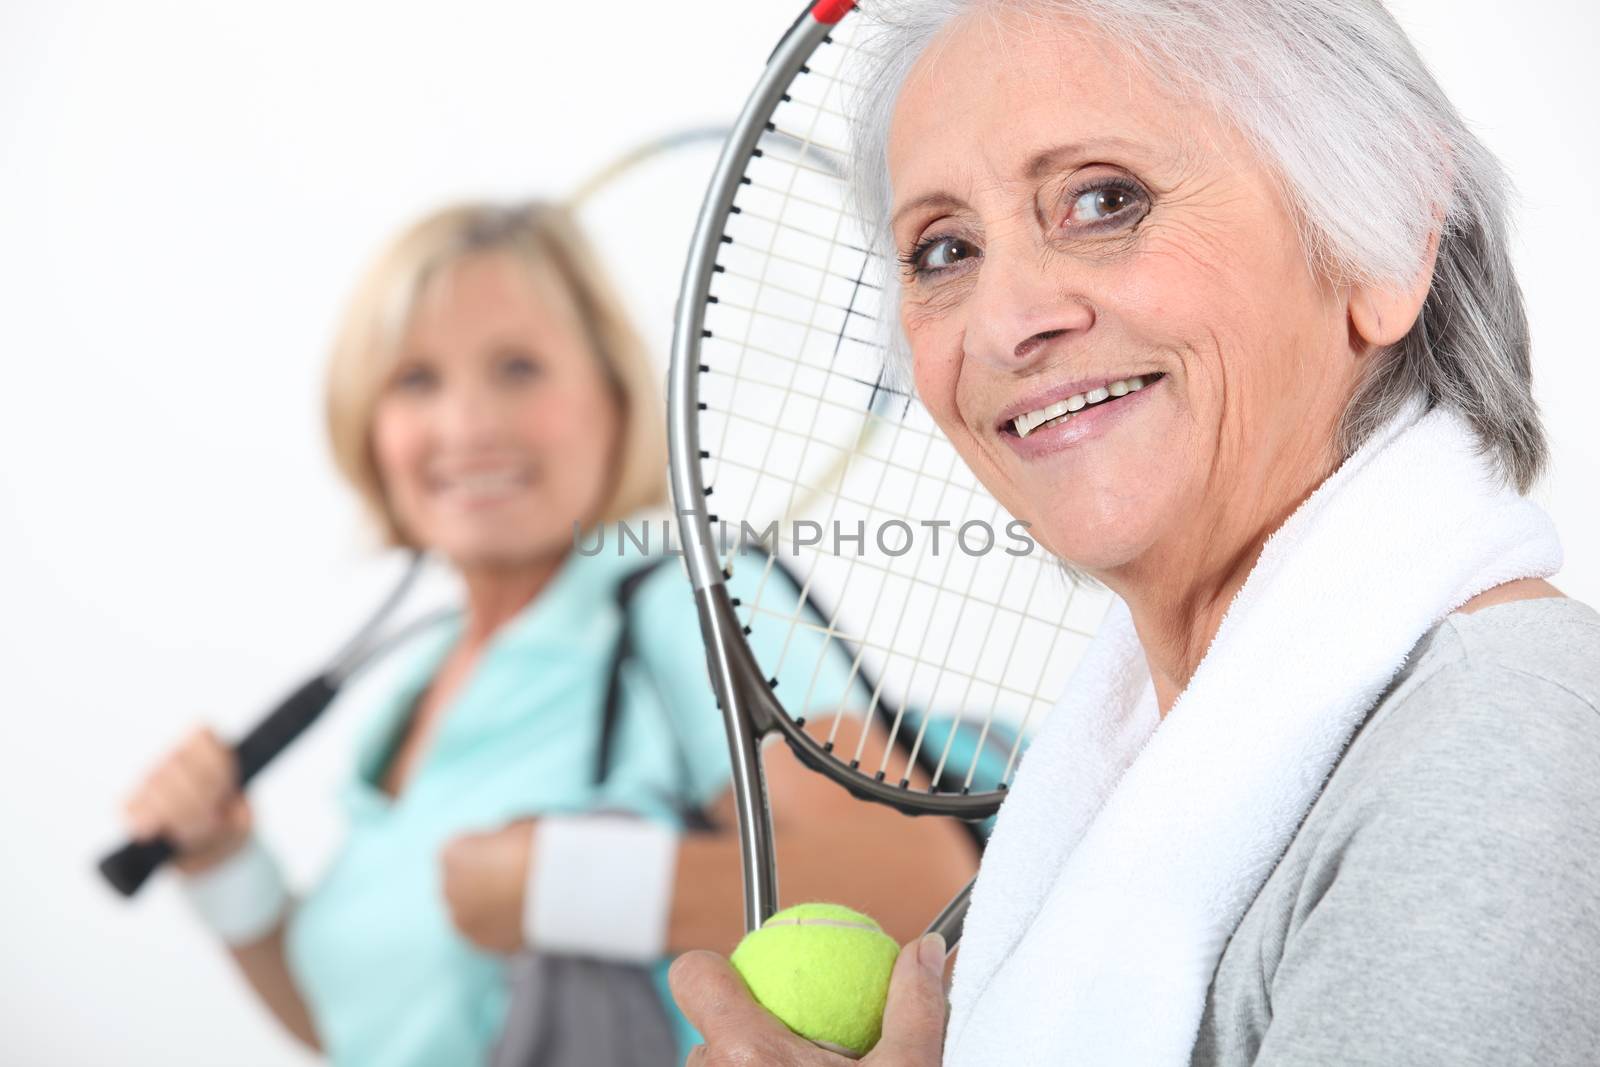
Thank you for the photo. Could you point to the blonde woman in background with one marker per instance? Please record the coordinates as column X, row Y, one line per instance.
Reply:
column 486, row 398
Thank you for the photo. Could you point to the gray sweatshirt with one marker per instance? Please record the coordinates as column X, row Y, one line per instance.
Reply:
column 1440, row 905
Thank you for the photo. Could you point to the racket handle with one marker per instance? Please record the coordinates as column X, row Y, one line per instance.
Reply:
column 283, row 725
column 953, row 919
column 129, row 867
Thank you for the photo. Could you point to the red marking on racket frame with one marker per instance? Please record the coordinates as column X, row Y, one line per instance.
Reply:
column 831, row 11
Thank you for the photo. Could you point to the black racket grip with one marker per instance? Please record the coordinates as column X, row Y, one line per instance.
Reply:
column 287, row 722
column 129, row 867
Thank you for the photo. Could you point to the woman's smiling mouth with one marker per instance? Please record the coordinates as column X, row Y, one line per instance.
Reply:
column 482, row 485
column 1060, row 411
column 1044, row 425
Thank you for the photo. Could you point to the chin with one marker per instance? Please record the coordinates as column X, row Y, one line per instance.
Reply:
column 1098, row 536
column 501, row 546
column 498, row 557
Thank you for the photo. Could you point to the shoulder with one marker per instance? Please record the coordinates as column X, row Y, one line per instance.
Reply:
column 1555, row 639
column 1476, row 776
column 657, row 594
column 1514, row 689
column 1480, row 767
column 1437, row 905
column 631, row 562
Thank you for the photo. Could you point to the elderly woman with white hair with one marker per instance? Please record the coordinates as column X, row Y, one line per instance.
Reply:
column 1327, row 788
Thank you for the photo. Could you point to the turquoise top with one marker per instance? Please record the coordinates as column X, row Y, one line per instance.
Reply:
column 386, row 976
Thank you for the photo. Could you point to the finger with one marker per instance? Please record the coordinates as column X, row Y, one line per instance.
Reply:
column 188, row 811
column 159, row 808
column 140, row 820
column 913, row 1019
column 238, row 817
column 183, row 791
column 716, row 1000
column 208, row 764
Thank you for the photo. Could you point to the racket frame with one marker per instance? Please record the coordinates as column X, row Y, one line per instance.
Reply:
column 744, row 693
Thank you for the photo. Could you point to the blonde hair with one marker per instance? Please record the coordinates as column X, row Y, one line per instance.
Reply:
column 536, row 234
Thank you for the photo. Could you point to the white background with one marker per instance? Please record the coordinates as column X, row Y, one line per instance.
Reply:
column 188, row 192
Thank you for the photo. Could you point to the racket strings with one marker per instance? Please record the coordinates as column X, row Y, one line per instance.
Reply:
column 875, row 390
column 955, row 654
column 759, row 312
column 823, row 486
column 912, row 660
column 776, row 287
column 1032, row 694
column 832, row 218
column 782, row 201
column 917, row 662
column 965, row 600
column 820, row 270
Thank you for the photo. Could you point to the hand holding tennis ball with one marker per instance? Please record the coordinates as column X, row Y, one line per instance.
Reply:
column 824, row 970
column 828, row 974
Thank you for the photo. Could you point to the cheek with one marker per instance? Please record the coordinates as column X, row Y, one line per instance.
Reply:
column 935, row 356
column 577, row 429
column 398, row 442
column 1234, row 290
column 577, row 419
column 1249, row 332
column 1193, row 317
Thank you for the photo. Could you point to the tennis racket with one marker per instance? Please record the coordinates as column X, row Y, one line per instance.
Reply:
column 787, row 430
column 129, row 867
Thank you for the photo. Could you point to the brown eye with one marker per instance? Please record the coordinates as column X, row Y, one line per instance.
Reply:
column 1105, row 202
column 941, row 253
column 520, row 368
column 416, row 378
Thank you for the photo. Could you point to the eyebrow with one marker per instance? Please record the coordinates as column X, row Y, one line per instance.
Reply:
column 932, row 200
column 1052, row 159
column 1039, row 164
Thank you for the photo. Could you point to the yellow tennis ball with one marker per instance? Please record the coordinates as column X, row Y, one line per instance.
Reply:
column 824, row 971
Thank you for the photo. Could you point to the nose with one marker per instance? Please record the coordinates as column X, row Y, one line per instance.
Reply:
column 1023, row 308
column 468, row 416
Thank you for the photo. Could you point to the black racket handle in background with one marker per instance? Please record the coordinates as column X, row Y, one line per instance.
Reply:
column 130, row 866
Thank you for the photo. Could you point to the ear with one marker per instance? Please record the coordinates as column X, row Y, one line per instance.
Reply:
column 1382, row 316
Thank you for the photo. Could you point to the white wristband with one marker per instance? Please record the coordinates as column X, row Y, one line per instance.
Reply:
column 601, row 886
column 242, row 898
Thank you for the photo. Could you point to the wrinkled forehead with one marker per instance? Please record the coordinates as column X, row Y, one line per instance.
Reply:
column 998, row 87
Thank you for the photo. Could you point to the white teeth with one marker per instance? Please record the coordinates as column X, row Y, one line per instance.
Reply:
column 498, row 482
column 1027, row 423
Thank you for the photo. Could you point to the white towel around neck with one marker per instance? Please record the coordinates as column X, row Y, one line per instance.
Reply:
column 1126, row 854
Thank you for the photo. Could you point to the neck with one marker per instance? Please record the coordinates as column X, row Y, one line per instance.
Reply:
column 1179, row 591
column 496, row 593
column 1175, row 620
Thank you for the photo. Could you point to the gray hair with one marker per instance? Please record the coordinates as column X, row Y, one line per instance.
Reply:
column 1336, row 100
